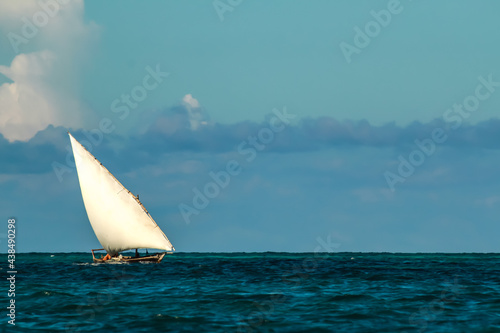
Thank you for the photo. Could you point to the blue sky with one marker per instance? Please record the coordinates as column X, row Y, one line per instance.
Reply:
column 394, row 147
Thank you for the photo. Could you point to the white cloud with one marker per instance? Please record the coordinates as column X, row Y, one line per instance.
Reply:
column 12, row 11
column 197, row 116
column 191, row 101
column 32, row 103
column 44, row 90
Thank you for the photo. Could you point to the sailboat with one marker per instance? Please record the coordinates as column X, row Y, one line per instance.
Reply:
column 118, row 218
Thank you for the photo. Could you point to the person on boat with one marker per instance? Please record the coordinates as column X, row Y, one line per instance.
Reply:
column 136, row 253
column 107, row 257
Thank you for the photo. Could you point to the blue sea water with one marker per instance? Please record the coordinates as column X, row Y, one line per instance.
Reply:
column 257, row 292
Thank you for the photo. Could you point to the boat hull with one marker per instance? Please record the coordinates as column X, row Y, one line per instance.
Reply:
column 155, row 258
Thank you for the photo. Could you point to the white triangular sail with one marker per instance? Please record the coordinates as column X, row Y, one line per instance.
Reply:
column 118, row 218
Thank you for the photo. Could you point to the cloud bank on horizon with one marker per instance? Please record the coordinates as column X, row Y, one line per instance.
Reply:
column 187, row 128
column 320, row 176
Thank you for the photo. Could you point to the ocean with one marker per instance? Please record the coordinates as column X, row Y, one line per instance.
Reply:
column 255, row 292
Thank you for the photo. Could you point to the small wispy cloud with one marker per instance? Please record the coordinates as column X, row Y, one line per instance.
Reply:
column 189, row 116
column 197, row 116
column 191, row 101
column 492, row 201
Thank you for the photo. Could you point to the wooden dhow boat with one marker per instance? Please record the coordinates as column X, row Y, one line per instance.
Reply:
column 119, row 220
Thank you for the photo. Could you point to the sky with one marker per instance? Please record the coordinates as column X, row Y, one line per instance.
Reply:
column 257, row 125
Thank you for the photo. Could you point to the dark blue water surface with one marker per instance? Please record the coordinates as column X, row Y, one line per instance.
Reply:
column 257, row 292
